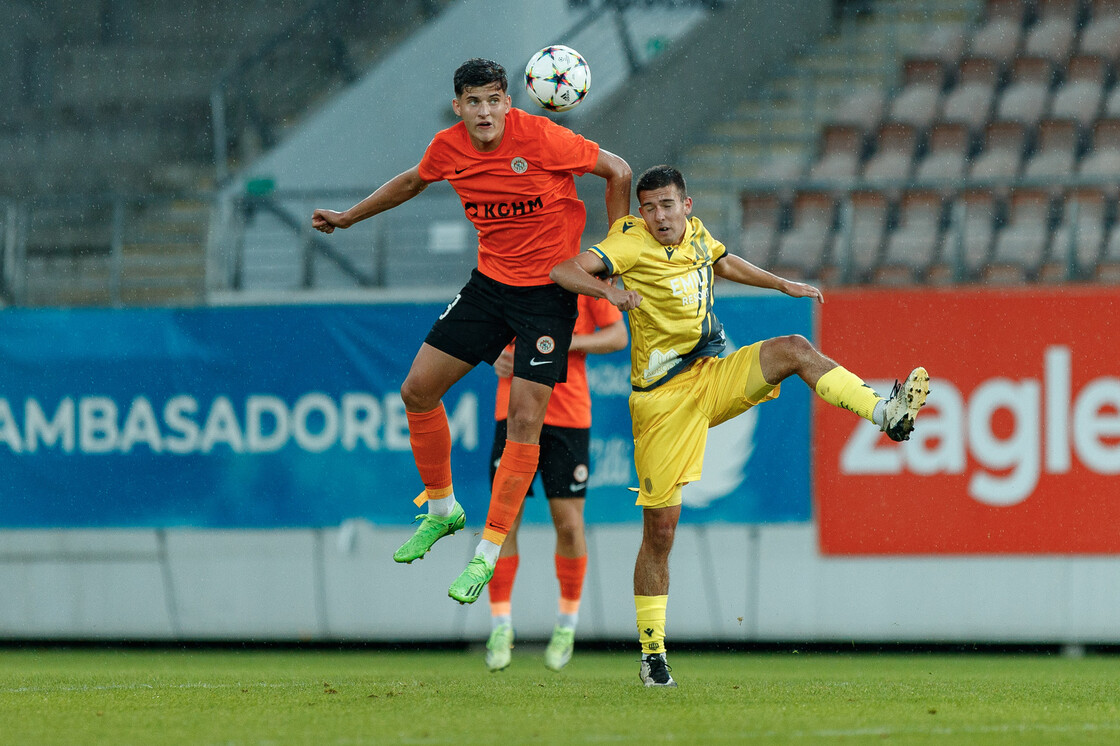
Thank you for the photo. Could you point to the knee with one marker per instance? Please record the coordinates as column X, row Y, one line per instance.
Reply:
column 416, row 397
column 796, row 347
column 659, row 536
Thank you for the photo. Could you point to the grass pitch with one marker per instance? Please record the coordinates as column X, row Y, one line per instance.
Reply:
column 131, row 696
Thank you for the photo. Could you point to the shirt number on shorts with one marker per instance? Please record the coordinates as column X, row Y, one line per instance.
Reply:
column 450, row 306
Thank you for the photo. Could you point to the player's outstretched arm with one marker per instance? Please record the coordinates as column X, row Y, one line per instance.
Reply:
column 618, row 175
column 738, row 269
column 393, row 192
column 578, row 275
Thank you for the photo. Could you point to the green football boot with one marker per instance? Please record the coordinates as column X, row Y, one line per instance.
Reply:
column 559, row 650
column 432, row 529
column 471, row 581
column 499, row 648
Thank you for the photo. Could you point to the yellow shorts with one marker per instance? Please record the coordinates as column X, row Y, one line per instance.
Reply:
column 671, row 422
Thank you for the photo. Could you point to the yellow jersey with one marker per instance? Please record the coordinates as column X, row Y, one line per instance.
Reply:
column 674, row 325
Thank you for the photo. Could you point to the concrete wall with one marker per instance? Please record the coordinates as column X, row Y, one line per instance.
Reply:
column 734, row 583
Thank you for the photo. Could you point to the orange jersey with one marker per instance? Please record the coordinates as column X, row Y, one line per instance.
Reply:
column 521, row 198
column 570, row 403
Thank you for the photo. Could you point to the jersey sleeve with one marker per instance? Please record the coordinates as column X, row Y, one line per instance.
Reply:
column 564, row 150
column 436, row 162
column 622, row 246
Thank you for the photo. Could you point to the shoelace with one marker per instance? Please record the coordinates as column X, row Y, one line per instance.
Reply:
column 659, row 669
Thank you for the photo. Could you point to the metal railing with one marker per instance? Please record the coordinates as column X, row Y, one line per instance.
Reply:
column 253, row 96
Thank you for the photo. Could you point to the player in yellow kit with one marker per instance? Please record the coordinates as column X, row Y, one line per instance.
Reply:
column 681, row 387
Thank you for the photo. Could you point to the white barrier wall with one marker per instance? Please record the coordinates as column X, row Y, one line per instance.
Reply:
column 734, row 583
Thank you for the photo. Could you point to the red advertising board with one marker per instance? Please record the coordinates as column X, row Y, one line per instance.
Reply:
column 1018, row 448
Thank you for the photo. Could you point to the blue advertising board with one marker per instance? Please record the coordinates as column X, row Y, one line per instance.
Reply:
column 291, row 417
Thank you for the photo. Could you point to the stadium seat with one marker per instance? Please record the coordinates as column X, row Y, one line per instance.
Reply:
column 862, row 109
column 917, row 102
column 762, row 215
column 1002, row 153
column 911, row 247
column 856, row 246
column 1082, row 229
column 1112, row 103
column 1103, row 160
column 1080, row 97
column 946, row 159
column 1108, row 267
column 1020, row 245
column 894, row 154
column 801, row 250
column 970, row 102
column 945, row 43
column 838, row 162
column 1052, row 36
column 967, row 243
column 1055, row 155
column 1001, row 33
column 1028, row 94
column 1101, row 35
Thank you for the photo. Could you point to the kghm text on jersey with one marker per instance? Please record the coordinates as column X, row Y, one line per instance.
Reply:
column 491, row 210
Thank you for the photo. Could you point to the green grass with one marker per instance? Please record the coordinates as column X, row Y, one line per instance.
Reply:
column 131, row 696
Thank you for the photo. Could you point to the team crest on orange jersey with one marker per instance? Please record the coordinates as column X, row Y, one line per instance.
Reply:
column 546, row 344
column 519, row 165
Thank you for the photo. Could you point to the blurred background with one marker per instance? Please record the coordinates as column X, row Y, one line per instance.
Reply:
column 200, row 425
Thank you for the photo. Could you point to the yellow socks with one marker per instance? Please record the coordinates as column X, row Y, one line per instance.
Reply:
column 651, row 622
column 842, row 388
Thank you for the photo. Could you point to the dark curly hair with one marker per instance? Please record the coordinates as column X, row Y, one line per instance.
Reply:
column 479, row 72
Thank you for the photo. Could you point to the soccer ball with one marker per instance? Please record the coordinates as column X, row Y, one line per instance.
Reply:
column 557, row 77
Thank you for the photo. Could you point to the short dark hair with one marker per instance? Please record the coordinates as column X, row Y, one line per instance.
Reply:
column 657, row 177
column 479, row 72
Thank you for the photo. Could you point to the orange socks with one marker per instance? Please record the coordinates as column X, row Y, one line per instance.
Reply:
column 430, row 437
column 570, row 572
column 511, row 482
column 501, row 585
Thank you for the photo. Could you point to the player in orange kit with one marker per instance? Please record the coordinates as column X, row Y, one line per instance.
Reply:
column 565, row 455
column 513, row 173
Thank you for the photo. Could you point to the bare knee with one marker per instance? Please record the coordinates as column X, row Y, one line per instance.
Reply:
column 658, row 536
column 782, row 357
column 416, row 397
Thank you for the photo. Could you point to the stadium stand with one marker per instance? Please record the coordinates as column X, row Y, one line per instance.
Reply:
column 996, row 154
column 125, row 89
